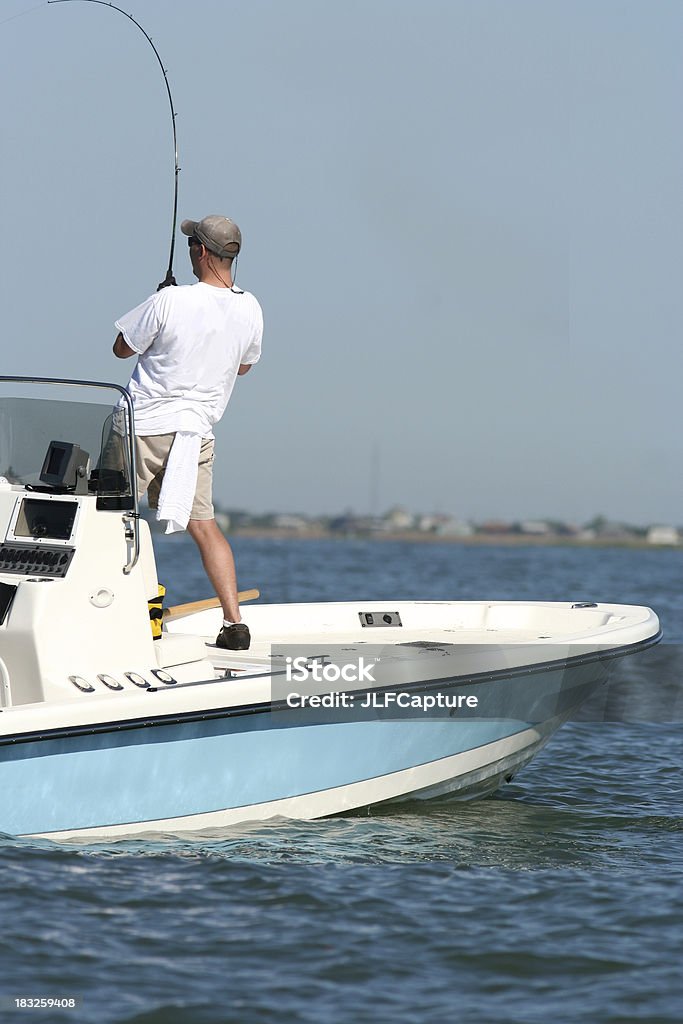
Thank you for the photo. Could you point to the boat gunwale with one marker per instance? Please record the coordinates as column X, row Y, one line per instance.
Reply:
column 266, row 707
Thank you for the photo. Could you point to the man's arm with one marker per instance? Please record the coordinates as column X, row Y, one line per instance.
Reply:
column 244, row 368
column 123, row 351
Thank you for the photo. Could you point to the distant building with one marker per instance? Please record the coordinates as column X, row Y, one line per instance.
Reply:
column 608, row 530
column 449, row 527
column 399, row 518
column 536, row 527
column 287, row 521
column 664, row 535
column 495, row 527
column 352, row 525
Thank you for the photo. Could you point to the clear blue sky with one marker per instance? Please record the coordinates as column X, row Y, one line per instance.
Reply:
column 463, row 221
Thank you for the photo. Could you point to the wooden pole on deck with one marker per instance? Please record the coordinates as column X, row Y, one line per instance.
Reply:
column 178, row 611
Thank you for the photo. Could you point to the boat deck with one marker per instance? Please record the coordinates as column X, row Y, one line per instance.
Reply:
column 453, row 642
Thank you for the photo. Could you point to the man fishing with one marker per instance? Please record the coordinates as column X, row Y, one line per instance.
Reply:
column 192, row 342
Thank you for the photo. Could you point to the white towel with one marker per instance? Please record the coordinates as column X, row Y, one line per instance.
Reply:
column 180, row 481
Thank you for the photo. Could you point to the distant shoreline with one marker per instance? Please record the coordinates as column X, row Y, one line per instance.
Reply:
column 473, row 540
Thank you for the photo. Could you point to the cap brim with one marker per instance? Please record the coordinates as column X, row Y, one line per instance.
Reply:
column 188, row 227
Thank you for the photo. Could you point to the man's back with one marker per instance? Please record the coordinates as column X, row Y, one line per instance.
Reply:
column 191, row 341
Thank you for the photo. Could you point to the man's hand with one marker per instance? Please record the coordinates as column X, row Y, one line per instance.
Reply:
column 121, row 349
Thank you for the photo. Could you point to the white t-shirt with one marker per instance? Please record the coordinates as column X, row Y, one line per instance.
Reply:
column 191, row 341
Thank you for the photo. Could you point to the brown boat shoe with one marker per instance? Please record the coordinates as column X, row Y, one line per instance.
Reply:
column 235, row 637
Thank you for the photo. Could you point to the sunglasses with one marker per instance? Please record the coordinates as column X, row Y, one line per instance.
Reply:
column 193, row 240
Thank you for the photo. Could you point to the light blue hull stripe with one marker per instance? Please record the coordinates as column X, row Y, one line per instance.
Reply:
column 145, row 774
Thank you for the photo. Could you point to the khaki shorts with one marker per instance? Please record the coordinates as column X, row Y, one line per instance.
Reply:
column 151, row 453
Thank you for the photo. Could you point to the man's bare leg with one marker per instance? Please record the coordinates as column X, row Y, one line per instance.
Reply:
column 219, row 564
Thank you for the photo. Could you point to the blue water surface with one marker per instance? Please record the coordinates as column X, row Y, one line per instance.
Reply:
column 560, row 898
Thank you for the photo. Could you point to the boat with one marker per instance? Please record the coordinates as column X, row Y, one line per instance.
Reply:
column 116, row 721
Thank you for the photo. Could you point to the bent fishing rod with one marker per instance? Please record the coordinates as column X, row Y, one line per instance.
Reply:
column 169, row 279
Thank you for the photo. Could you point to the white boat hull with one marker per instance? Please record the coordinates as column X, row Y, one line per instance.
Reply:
column 212, row 753
column 106, row 731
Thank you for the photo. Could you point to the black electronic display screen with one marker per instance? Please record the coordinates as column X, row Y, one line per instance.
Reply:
column 55, row 461
column 60, row 465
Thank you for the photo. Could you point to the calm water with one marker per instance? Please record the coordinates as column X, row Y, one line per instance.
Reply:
column 560, row 898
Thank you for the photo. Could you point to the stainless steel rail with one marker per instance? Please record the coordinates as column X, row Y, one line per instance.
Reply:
column 131, row 519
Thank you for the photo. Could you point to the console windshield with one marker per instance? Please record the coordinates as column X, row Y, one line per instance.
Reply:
column 33, row 431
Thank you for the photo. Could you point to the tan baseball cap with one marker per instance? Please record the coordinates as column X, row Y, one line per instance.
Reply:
column 219, row 234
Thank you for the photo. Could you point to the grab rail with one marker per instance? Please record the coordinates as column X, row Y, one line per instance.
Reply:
column 131, row 519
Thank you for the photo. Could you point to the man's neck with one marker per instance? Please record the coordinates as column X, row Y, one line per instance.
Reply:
column 214, row 278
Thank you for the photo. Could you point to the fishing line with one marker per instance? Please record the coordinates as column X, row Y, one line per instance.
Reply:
column 169, row 279
column 21, row 14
